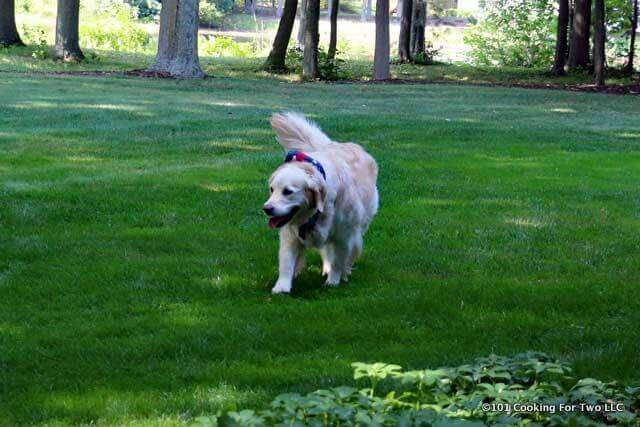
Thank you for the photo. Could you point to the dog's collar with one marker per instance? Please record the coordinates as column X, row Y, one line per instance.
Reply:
column 308, row 226
column 299, row 156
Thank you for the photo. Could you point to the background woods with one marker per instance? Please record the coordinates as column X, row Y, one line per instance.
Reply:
column 333, row 39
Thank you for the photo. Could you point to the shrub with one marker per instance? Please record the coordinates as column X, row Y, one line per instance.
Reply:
column 209, row 15
column 115, row 28
column 146, row 9
column 517, row 33
column 328, row 68
column 452, row 396
column 37, row 37
column 223, row 46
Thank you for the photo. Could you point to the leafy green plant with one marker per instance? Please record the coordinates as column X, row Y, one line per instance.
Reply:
column 223, row 46
column 514, row 33
column 115, row 29
column 37, row 37
column 328, row 68
column 209, row 14
column 466, row 395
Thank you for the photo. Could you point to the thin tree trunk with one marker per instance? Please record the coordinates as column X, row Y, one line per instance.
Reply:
column 250, row 7
column 280, row 8
column 579, row 50
column 8, row 31
column 67, row 38
column 628, row 67
column 382, row 49
column 311, row 38
column 302, row 21
column 599, row 40
column 277, row 56
column 404, row 42
column 418, row 21
column 333, row 36
column 366, row 11
column 561, row 38
column 178, row 40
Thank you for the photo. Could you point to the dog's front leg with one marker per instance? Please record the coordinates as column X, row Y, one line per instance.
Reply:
column 290, row 253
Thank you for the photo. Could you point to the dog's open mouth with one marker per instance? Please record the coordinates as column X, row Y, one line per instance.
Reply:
column 279, row 221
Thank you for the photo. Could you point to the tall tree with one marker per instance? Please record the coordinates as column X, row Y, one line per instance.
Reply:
column 311, row 38
column 418, row 22
column 67, row 25
column 580, row 32
column 599, row 40
column 561, row 38
column 302, row 23
column 333, row 36
column 404, row 42
column 178, row 40
column 250, row 6
column 382, row 49
column 277, row 56
column 628, row 67
column 366, row 10
column 8, row 30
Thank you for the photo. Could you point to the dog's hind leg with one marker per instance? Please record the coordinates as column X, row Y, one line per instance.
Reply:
column 355, row 250
column 300, row 263
column 327, row 255
column 336, row 259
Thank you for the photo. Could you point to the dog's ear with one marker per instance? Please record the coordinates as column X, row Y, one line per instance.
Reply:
column 318, row 191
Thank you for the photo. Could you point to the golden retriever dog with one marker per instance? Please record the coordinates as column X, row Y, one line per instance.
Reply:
column 323, row 196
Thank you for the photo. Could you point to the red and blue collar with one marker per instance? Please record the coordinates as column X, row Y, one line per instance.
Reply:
column 299, row 156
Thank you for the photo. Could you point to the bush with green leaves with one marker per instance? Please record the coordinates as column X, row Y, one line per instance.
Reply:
column 328, row 68
column 453, row 396
column 37, row 37
column 147, row 10
column 223, row 46
column 115, row 28
column 518, row 33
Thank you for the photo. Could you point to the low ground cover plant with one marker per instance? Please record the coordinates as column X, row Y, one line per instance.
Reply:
column 531, row 389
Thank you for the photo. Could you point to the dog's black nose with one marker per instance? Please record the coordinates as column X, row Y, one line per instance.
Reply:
column 268, row 209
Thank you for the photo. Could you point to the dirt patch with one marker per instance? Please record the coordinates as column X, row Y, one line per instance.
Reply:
column 617, row 89
column 149, row 74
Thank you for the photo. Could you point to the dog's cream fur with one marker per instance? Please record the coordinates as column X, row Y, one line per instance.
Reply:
column 346, row 201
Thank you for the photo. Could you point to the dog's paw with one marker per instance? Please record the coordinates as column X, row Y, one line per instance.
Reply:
column 281, row 287
column 332, row 281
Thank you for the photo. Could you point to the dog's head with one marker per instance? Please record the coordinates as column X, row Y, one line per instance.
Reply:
column 297, row 191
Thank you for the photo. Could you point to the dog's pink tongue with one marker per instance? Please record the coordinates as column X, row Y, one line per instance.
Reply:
column 273, row 222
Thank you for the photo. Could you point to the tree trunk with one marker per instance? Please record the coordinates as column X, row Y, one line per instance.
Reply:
column 561, row 38
column 628, row 67
column 311, row 38
column 302, row 21
column 418, row 20
column 404, row 42
column 250, row 7
column 277, row 56
column 579, row 50
column 67, row 46
column 178, row 40
column 8, row 30
column 333, row 37
column 599, row 40
column 382, row 49
column 366, row 10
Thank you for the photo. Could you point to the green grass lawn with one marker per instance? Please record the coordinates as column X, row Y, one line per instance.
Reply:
column 136, row 265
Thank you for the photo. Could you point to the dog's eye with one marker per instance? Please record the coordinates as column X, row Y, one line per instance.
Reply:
column 270, row 189
column 287, row 192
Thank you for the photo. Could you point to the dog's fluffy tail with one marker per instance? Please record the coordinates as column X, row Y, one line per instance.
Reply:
column 294, row 131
